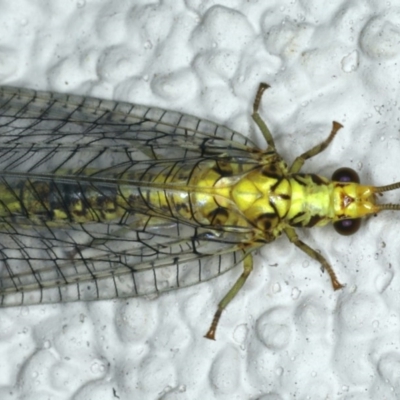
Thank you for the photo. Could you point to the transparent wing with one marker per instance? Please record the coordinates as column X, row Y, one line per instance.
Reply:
column 31, row 118
column 58, row 140
column 47, row 265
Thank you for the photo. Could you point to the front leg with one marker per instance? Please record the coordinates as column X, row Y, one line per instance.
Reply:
column 292, row 236
column 299, row 161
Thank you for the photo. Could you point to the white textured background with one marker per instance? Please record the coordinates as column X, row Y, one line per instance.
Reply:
column 287, row 335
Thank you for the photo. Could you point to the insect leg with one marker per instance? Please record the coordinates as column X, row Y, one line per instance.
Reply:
column 299, row 161
column 292, row 236
column 233, row 291
column 258, row 120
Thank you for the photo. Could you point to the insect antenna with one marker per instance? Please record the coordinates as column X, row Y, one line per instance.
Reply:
column 387, row 188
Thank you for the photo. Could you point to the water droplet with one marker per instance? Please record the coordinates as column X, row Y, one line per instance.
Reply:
column 295, row 293
column 148, row 45
column 276, row 288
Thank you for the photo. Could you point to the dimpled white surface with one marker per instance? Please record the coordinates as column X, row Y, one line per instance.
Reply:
column 286, row 335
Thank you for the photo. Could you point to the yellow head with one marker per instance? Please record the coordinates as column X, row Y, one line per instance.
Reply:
column 353, row 201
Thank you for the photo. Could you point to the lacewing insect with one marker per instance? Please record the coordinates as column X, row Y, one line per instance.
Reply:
column 102, row 199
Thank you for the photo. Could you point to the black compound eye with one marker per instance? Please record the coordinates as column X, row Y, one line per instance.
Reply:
column 345, row 175
column 347, row 227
